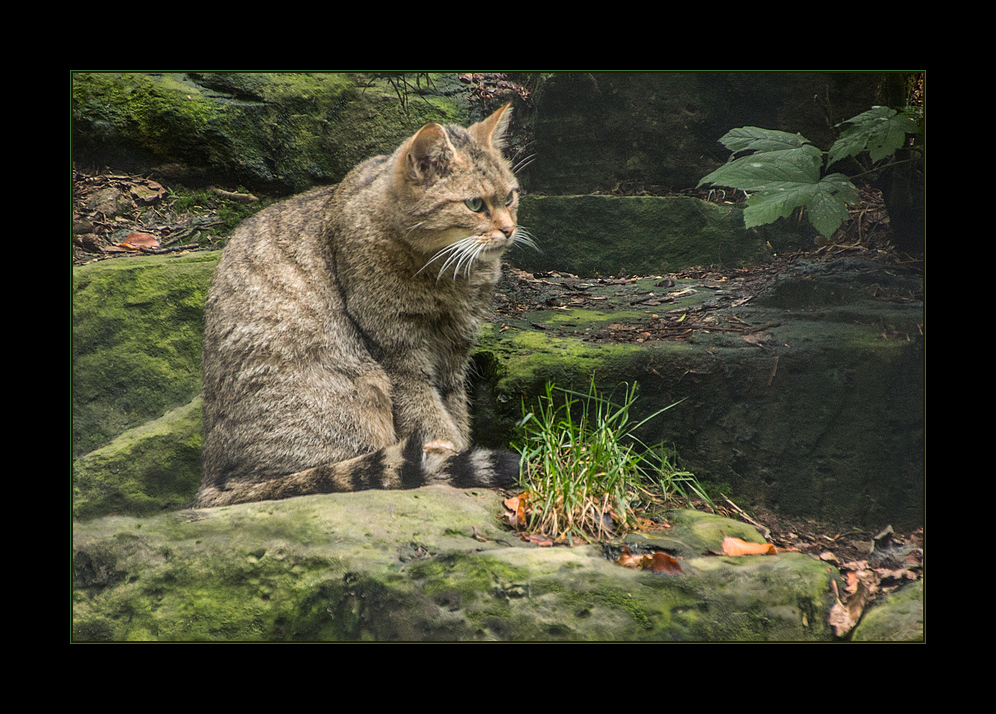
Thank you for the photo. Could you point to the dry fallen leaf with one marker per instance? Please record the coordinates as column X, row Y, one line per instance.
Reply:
column 147, row 192
column 737, row 546
column 517, row 506
column 137, row 241
column 627, row 559
column 845, row 615
column 657, row 562
column 661, row 562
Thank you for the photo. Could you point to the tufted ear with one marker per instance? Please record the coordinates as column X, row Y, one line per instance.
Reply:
column 491, row 131
column 428, row 153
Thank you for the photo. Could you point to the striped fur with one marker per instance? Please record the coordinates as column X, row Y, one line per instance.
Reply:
column 340, row 324
column 399, row 466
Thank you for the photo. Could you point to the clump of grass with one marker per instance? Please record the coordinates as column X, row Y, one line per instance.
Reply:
column 585, row 469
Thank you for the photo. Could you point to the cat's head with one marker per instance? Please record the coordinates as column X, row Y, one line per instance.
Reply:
column 460, row 195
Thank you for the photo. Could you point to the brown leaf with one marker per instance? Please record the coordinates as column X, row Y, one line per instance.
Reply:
column 661, row 562
column 627, row 559
column 845, row 615
column 148, row 192
column 517, row 506
column 657, row 562
column 137, row 241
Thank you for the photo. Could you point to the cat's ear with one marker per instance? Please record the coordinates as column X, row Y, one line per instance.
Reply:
column 491, row 131
column 428, row 154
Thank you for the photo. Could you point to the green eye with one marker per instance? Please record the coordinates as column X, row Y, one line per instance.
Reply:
column 511, row 197
column 474, row 204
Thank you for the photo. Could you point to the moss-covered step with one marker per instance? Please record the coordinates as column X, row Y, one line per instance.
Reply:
column 440, row 567
column 643, row 235
column 276, row 131
column 816, row 411
column 803, row 394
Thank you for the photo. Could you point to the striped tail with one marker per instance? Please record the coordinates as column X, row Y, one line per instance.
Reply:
column 405, row 465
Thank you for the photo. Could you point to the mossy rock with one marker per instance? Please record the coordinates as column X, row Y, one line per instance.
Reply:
column 137, row 330
column 898, row 617
column 441, row 567
column 796, row 424
column 635, row 235
column 152, row 468
column 277, row 131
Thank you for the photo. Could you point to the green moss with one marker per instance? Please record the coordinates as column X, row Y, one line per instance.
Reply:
column 472, row 577
column 897, row 617
column 153, row 468
column 589, row 235
column 137, row 329
column 776, row 597
column 546, row 356
column 620, row 600
column 593, row 318
column 271, row 131
column 156, row 112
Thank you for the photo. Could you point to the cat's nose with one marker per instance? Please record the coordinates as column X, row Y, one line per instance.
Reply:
column 503, row 222
column 501, row 219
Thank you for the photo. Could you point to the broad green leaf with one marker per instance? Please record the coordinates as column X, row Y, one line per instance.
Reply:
column 840, row 185
column 881, row 130
column 776, row 201
column 850, row 143
column 756, row 139
column 826, row 201
column 751, row 173
column 828, row 210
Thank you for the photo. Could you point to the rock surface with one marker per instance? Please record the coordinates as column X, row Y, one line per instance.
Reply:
column 431, row 564
column 828, row 357
column 409, row 565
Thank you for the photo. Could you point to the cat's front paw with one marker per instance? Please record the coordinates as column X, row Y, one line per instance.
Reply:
column 442, row 447
column 435, row 453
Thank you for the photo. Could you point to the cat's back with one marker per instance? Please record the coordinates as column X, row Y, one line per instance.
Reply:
column 284, row 236
column 269, row 312
column 273, row 270
column 288, row 380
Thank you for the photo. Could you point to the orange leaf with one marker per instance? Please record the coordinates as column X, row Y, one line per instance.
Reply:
column 657, row 562
column 517, row 506
column 736, row 546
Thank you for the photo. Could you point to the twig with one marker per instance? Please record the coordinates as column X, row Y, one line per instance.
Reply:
column 172, row 249
column 765, row 531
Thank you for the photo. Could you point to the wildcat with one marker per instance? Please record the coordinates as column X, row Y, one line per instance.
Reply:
column 339, row 326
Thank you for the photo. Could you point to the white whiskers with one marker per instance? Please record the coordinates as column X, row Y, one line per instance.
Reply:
column 521, row 162
column 462, row 254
